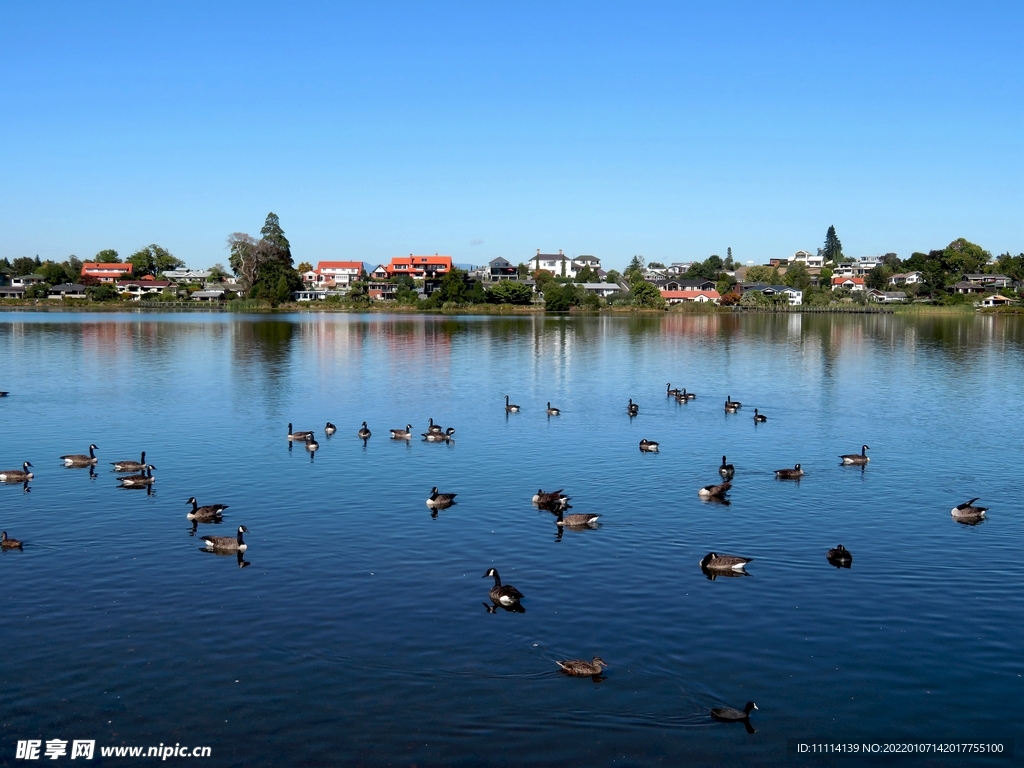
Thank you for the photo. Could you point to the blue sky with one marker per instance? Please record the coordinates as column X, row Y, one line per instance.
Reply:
column 483, row 129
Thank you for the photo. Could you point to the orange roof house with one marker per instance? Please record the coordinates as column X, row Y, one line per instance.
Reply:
column 105, row 272
column 701, row 297
column 420, row 266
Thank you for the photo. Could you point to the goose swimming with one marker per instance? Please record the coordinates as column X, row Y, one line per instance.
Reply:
column 439, row 437
column 510, row 407
column 714, row 491
column 712, row 561
column 857, row 458
column 648, row 446
column 502, row 594
column 364, row 432
column 205, row 514
column 227, row 543
column 759, row 418
column 576, row 520
column 402, row 434
column 632, row 409
column 440, row 500
column 6, row 543
column 300, row 436
column 840, row 557
column 967, row 511
column 726, row 470
column 552, row 411
column 80, row 459
column 17, row 475
column 789, row 474
column 130, row 466
column 138, row 481
column 330, row 429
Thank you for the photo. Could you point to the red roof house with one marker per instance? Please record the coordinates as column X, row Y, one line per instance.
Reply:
column 106, row 272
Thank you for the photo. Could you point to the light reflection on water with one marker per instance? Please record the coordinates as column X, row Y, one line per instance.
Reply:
column 358, row 632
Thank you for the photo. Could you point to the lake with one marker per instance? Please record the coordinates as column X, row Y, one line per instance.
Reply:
column 359, row 632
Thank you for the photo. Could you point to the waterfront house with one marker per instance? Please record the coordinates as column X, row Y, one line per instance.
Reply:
column 501, row 269
column 184, row 275
column 24, row 281
column 12, row 291
column 604, row 290
column 333, row 274
column 381, row 291
column 136, row 289
column 967, row 287
column 989, row 281
column 67, row 291
column 996, row 301
column 561, row 265
column 420, row 267
column 794, row 296
column 848, row 283
column 210, row 295
column 906, row 278
column 886, row 297
column 380, row 272
column 696, row 296
column 106, row 272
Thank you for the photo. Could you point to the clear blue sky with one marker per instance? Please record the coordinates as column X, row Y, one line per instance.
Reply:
column 672, row 130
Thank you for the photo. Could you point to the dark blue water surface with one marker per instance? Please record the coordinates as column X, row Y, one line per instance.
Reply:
column 358, row 634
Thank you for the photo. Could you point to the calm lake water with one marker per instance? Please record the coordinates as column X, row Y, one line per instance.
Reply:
column 358, row 634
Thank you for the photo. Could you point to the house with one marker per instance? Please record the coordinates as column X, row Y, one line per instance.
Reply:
column 809, row 260
column 501, row 269
column 886, row 297
column 561, row 265
column 380, row 272
column 187, row 275
column 26, row 280
column 12, row 291
column 996, row 301
column 966, row 287
column 381, row 291
column 777, row 262
column 333, row 274
column 212, row 295
column 135, row 289
column 67, row 291
column 848, row 283
column 700, row 297
column 604, row 290
column 423, row 267
column 989, row 281
column 106, row 272
column 906, row 278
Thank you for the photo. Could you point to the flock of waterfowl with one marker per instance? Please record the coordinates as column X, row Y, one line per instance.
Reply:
column 139, row 474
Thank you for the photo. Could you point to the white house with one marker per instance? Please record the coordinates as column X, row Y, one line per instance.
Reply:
column 886, row 297
column 333, row 274
column 996, row 301
column 810, row 260
column 187, row 275
column 848, row 283
column 906, row 278
column 604, row 290
column 561, row 265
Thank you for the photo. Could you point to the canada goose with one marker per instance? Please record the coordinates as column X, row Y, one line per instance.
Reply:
column 967, row 510
column 731, row 406
column 714, row 562
column 227, row 543
column 510, row 407
column 553, row 411
column 205, row 514
column 857, row 458
column 364, row 432
column 729, row 714
column 632, row 409
column 138, row 481
column 714, row 491
column 726, row 470
column 6, row 543
column 669, row 392
column 80, row 459
column 840, row 557
column 503, row 595
column 402, row 434
column 440, row 500
column 648, row 446
column 300, row 436
column 681, row 398
column 130, row 466
column 687, row 396
column 4, row 394
column 432, row 427
column 789, row 474
column 759, row 418
column 16, row 475
column 576, row 520
column 439, row 437
column 330, row 429
column 311, row 443
column 580, row 668
column 541, row 497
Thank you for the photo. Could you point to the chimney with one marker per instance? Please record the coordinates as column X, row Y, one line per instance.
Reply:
column 538, row 251
column 559, row 251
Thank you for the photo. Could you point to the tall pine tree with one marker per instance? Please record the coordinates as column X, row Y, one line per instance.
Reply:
column 833, row 250
column 273, row 234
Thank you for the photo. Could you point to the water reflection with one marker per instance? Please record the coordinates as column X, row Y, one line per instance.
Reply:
column 239, row 556
column 492, row 607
